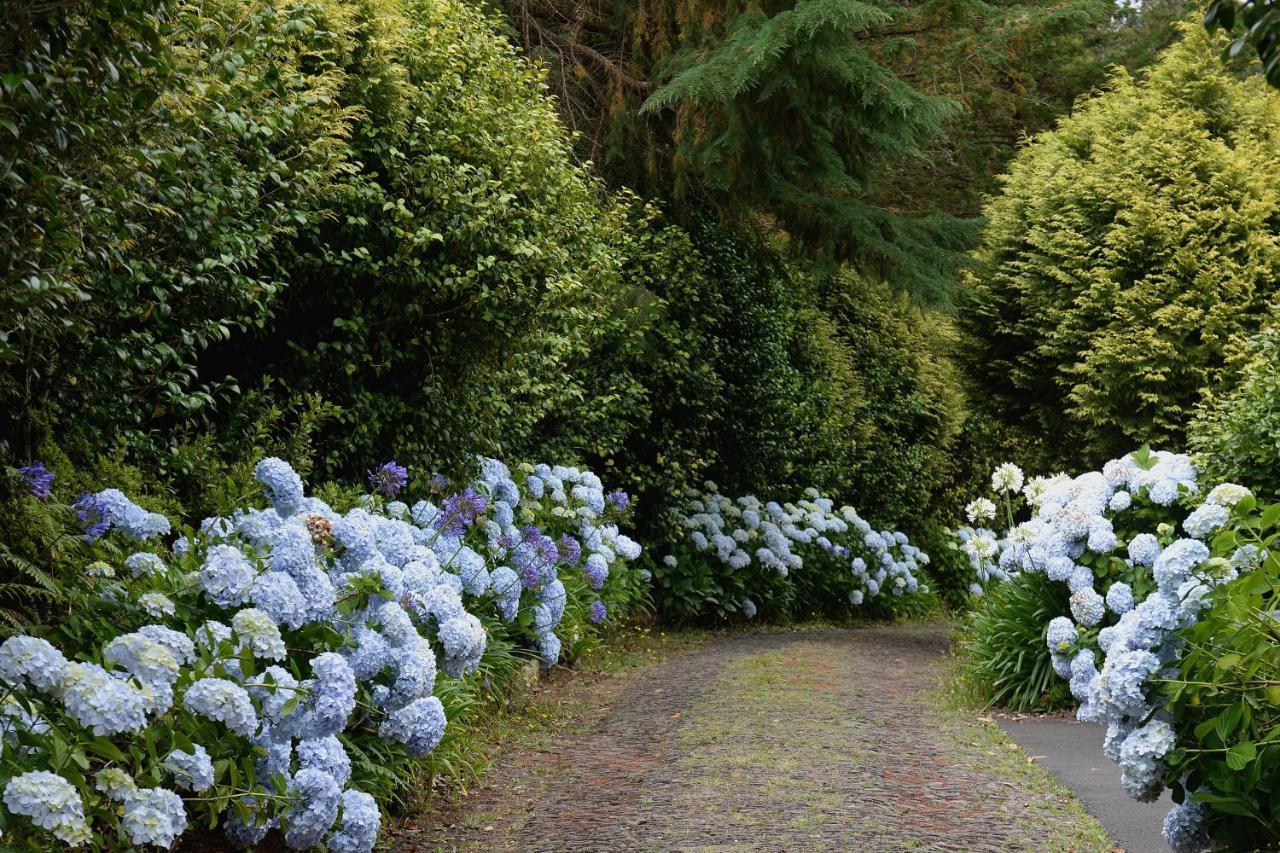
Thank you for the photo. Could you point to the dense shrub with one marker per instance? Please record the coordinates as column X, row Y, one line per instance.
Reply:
column 789, row 560
column 677, row 352
column 1129, row 251
column 1236, row 435
column 896, row 405
column 466, row 261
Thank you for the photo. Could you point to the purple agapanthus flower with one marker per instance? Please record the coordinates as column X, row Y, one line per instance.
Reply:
column 569, row 549
column 39, row 480
column 91, row 510
column 461, row 510
column 598, row 611
column 543, row 546
column 531, row 575
column 620, row 499
column 437, row 484
column 389, row 478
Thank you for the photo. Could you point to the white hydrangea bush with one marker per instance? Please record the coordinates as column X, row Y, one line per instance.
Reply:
column 1133, row 545
column 271, row 640
column 756, row 544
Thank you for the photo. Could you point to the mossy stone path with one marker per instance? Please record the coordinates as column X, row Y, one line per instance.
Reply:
column 811, row 740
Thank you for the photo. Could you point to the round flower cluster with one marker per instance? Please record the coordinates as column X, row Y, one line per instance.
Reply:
column 1071, row 537
column 110, row 508
column 769, row 536
column 531, row 558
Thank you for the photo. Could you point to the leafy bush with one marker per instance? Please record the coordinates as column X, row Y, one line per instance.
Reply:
column 737, row 556
column 466, row 264
column 1226, row 701
column 160, row 151
column 1235, row 434
column 1130, row 251
column 370, row 603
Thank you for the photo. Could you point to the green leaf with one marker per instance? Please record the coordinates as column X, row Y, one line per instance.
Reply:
column 1239, row 756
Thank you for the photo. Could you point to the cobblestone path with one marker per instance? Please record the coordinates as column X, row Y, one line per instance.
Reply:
column 822, row 740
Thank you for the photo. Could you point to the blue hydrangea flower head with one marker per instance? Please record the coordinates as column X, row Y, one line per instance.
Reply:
column 226, row 575
column 464, row 641
column 1175, row 563
column 471, row 568
column 1061, row 635
column 360, row 823
column 154, row 816
column 368, row 653
column 31, row 660
column 418, row 725
column 1120, row 598
column 259, row 633
column 1184, row 827
column 415, row 666
column 1143, row 549
column 144, row 563
column 277, row 595
column 102, row 703
column 1087, row 607
column 506, row 586
column 224, row 702
column 51, row 802
column 328, row 755
column 548, row 649
column 314, row 809
column 282, row 485
column 147, row 660
column 192, row 771
column 333, row 696
column 112, row 507
column 596, row 569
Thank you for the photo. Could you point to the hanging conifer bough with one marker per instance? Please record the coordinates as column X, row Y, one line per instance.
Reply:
column 791, row 114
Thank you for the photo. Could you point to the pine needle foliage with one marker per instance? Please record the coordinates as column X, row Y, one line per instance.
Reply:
column 788, row 112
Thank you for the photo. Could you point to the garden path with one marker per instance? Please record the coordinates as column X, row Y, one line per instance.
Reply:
column 826, row 739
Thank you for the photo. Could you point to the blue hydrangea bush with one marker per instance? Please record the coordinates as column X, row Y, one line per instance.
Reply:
column 1146, row 554
column 748, row 553
column 238, row 669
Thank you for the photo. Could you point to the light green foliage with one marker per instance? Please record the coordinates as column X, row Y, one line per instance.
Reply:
column 1129, row 251
column 1236, row 436
column 897, row 405
column 465, row 264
